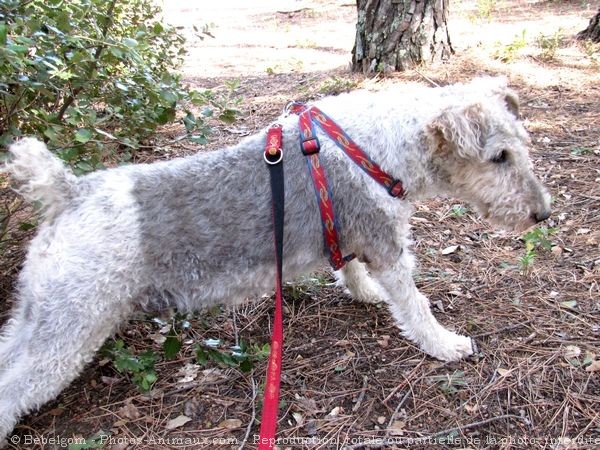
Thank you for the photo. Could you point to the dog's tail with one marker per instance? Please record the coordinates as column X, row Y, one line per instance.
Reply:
column 41, row 176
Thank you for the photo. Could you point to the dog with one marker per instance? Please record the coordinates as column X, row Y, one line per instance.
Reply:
column 196, row 231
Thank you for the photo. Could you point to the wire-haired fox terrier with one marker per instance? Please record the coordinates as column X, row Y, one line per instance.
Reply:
column 196, row 231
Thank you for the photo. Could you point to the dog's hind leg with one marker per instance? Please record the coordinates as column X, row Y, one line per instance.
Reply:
column 56, row 338
column 411, row 311
column 13, row 332
column 361, row 286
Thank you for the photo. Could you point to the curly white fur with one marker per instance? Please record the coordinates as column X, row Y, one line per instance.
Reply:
column 44, row 177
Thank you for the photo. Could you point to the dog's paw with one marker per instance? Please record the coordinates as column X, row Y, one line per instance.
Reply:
column 367, row 292
column 450, row 347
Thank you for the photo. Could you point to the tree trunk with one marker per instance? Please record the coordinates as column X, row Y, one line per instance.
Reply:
column 592, row 32
column 400, row 34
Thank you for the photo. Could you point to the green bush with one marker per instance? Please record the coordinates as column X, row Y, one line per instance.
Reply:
column 92, row 76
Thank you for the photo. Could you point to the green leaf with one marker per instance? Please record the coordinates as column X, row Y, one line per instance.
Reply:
column 18, row 49
column 198, row 139
column 246, row 366
column 52, row 133
column 3, row 33
column 228, row 116
column 164, row 115
column 169, row 96
column 201, row 356
column 25, row 226
column 83, row 167
column 189, row 121
column 83, row 135
column 131, row 43
column 116, row 52
column 157, row 28
column 151, row 377
column 172, row 345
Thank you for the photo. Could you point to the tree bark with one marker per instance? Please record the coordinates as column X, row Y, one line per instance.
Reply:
column 400, row 34
column 592, row 32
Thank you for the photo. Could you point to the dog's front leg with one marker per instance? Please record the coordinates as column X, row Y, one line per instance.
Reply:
column 411, row 311
column 361, row 286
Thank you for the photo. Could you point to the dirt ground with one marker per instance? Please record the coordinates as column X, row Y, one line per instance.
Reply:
column 349, row 380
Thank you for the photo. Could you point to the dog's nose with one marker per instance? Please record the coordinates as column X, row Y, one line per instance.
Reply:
column 541, row 216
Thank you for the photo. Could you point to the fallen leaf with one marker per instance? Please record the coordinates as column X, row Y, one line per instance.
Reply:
column 594, row 366
column 384, row 341
column 335, row 412
column 158, row 338
column 571, row 351
column 193, row 408
column 397, row 428
column 109, row 380
column 381, row 420
column 230, row 424
column 188, row 373
column 308, row 405
column 57, row 411
column 503, row 372
column 177, row 422
column 211, row 375
column 569, row 304
column 299, row 418
column 449, row 250
column 472, row 409
column 129, row 411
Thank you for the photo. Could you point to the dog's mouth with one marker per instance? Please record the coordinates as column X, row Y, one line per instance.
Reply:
column 486, row 211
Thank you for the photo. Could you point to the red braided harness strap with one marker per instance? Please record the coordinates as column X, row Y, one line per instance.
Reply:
column 310, row 146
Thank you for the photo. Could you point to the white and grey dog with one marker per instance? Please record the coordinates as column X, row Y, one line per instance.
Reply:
column 195, row 231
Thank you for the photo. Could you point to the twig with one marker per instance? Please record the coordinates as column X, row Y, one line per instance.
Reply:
column 362, row 394
column 294, row 11
column 433, row 83
column 393, row 416
column 236, row 337
column 247, row 435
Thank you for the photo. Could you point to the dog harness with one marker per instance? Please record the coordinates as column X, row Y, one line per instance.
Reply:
column 273, row 156
column 310, row 146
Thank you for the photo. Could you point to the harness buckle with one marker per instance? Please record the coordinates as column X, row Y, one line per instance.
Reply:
column 294, row 108
column 310, row 146
column 396, row 189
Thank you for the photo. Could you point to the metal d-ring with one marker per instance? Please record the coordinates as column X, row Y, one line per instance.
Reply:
column 274, row 162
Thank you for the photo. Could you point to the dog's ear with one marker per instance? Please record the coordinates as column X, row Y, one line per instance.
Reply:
column 498, row 86
column 511, row 99
column 461, row 130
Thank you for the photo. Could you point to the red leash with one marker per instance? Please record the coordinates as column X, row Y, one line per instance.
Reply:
column 309, row 143
column 273, row 157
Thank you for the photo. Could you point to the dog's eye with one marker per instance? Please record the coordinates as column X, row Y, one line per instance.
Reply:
column 500, row 158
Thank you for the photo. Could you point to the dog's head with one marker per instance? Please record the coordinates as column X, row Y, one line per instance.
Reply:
column 480, row 153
